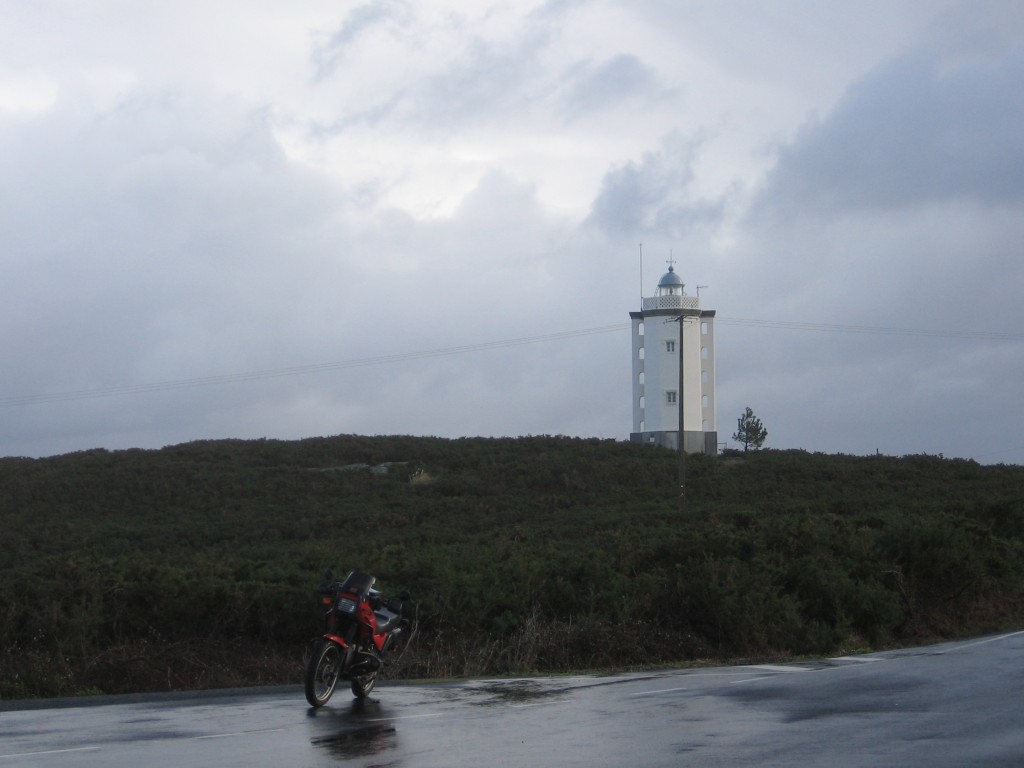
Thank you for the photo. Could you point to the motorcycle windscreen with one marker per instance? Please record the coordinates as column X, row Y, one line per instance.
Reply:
column 358, row 583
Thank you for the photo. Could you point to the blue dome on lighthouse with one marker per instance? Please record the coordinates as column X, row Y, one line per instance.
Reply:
column 670, row 279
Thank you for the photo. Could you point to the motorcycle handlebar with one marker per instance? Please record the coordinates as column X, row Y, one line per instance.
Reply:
column 330, row 587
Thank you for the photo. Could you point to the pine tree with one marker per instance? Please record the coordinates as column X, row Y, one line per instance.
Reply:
column 750, row 431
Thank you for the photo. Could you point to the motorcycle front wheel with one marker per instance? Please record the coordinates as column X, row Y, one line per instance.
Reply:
column 322, row 672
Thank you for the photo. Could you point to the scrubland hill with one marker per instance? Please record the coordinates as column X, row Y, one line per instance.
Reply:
column 193, row 566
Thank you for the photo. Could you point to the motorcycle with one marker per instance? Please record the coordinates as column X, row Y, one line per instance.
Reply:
column 360, row 625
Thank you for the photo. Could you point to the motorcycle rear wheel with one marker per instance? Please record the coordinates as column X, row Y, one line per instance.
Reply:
column 322, row 672
column 362, row 685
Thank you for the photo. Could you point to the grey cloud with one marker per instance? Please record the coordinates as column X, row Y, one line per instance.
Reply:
column 897, row 210
column 911, row 134
column 612, row 83
column 654, row 195
column 493, row 82
column 489, row 82
column 190, row 255
column 357, row 23
column 171, row 239
column 481, row 83
column 149, row 255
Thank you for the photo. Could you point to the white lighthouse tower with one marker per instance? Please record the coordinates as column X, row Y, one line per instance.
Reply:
column 672, row 335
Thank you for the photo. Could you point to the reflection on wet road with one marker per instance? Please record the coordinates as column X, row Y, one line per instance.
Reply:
column 950, row 705
column 357, row 729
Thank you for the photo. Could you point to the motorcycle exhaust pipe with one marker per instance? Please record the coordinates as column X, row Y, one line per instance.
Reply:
column 364, row 662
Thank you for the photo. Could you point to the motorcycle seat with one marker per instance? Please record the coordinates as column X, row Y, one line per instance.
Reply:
column 387, row 620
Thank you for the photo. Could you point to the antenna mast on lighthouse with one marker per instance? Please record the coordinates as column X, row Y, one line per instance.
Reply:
column 641, row 276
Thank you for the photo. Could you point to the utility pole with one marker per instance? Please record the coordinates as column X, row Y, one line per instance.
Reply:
column 682, row 421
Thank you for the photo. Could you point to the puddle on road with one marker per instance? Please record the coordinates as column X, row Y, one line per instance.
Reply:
column 362, row 729
column 359, row 742
column 516, row 692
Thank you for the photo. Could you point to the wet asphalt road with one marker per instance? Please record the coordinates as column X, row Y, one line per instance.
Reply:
column 958, row 704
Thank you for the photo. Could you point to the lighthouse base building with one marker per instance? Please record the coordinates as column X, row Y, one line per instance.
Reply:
column 673, row 369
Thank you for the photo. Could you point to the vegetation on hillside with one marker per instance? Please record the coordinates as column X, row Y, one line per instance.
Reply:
column 193, row 566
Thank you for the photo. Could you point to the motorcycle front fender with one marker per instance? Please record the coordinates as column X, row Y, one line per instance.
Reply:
column 346, row 650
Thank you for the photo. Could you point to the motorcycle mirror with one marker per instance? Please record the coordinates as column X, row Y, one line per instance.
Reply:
column 328, row 575
column 404, row 595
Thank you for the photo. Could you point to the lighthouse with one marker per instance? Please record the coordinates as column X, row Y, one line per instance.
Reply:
column 673, row 369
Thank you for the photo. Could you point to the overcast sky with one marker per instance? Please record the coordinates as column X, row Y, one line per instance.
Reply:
column 244, row 219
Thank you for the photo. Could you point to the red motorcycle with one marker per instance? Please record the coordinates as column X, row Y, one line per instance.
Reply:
column 359, row 627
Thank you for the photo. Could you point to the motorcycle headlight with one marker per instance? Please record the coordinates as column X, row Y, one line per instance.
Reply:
column 347, row 605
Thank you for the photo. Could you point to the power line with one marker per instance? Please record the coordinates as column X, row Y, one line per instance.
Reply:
column 230, row 378
column 871, row 329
